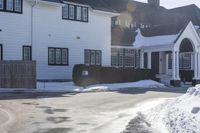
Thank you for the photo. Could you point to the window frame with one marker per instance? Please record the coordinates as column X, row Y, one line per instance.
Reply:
column 75, row 13
column 1, row 50
column 95, row 57
column 3, row 4
column 4, row 9
column 23, row 50
column 124, row 57
column 54, row 56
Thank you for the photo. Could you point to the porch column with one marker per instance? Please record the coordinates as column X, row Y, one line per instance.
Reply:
column 149, row 60
column 141, row 59
column 195, row 65
column 175, row 70
column 177, row 66
column 198, row 67
column 173, row 65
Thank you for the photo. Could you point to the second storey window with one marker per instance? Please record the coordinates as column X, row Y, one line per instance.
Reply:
column 75, row 12
column 93, row 57
column 14, row 6
column 27, row 53
column 1, row 52
column 71, row 11
column 58, row 56
column 10, row 5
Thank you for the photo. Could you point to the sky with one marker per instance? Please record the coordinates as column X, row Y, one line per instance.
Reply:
column 175, row 3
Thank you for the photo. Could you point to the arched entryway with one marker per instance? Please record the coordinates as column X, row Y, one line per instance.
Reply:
column 186, row 61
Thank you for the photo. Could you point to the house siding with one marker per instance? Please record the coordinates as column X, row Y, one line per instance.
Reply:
column 50, row 30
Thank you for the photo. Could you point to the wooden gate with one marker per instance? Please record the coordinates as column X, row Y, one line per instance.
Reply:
column 18, row 74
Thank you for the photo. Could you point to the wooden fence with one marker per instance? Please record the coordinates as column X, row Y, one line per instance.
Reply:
column 18, row 74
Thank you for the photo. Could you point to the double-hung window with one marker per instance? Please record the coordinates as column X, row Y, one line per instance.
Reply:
column 71, row 11
column 1, row 4
column 58, row 56
column 123, row 57
column 185, row 60
column 1, row 52
column 10, row 5
column 75, row 12
column 85, row 14
column 27, row 53
column 92, row 57
column 14, row 6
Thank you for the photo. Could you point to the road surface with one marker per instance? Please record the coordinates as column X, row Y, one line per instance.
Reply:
column 72, row 112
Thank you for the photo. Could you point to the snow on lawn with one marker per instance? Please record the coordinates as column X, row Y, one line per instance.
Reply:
column 69, row 86
column 178, row 115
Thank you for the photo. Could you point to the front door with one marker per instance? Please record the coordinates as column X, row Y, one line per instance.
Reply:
column 155, row 62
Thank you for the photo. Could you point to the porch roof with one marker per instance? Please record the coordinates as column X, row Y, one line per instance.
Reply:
column 160, row 40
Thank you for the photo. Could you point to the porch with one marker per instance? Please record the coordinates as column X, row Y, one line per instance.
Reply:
column 174, row 64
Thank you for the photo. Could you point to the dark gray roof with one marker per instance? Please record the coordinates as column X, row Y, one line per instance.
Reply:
column 95, row 4
column 163, row 21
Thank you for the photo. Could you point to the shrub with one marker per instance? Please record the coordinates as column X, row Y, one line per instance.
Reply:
column 98, row 74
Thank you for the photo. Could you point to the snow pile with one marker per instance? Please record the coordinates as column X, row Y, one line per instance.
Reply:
column 179, row 115
column 70, row 87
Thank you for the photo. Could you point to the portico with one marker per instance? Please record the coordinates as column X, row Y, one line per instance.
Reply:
column 176, row 62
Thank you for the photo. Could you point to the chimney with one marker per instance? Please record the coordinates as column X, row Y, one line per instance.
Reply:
column 154, row 3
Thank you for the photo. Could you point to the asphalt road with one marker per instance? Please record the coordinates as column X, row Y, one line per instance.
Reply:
column 72, row 112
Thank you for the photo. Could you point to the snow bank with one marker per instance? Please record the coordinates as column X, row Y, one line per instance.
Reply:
column 179, row 115
column 69, row 86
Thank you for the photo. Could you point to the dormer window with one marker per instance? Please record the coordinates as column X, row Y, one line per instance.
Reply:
column 75, row 12
column 14, row 6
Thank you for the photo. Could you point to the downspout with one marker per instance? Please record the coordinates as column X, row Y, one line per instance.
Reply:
column 32, row 6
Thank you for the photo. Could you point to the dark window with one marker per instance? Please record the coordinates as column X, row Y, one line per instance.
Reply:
column 1, row 4
column 65, row 12
column 74, row 12
column 58, row 56
column 92, row 57
column 170, row 61
column 1, row 52
column 185, row 60
column 79, row 13
column 71, row 12
column 85, row 14
column 27, row 53
column 14, row 6
column 122, row 57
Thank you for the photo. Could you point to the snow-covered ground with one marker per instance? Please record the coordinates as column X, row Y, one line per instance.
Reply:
column 69, row 86
column 177, row 115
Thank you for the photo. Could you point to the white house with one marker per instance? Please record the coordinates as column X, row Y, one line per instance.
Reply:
column 146, row 35
column 57, row 34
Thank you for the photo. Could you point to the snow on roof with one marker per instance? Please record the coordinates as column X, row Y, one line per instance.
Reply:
column 141, row 41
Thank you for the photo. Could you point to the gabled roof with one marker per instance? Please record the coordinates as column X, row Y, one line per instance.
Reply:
column 189, row 12
column 155, row 35
column 162, row 21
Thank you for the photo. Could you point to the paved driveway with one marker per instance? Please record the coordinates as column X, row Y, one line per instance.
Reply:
column 70, row 112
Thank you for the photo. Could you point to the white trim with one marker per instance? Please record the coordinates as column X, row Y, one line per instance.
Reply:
column 106, row 12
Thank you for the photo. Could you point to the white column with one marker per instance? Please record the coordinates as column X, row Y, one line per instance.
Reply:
column 173, row 65
column 195, row 66
column 149, row 60
column 167, row 63
column 177, row 66
column 141, row 59
column 198, row 67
